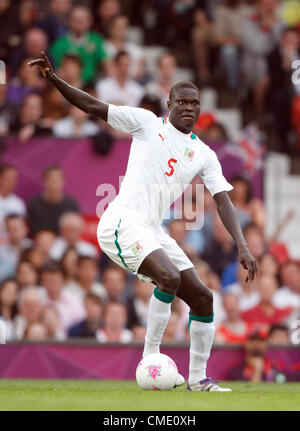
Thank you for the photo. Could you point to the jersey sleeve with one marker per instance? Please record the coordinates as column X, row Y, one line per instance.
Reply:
column 212, row 175
column 130, row 120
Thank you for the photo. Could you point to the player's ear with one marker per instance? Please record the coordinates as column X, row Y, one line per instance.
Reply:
column 169, row 104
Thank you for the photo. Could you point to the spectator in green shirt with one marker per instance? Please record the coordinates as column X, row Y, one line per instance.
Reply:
column 80, row 41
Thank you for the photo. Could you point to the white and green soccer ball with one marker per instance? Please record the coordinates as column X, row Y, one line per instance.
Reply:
column 156, row 372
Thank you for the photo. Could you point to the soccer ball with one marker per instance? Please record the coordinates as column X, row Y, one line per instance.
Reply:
column 156, row 372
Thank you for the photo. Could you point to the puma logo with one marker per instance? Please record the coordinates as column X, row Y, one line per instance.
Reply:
column 163, row 139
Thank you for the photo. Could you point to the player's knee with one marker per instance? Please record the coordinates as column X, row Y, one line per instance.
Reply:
column 171, row 281
column 203, row 303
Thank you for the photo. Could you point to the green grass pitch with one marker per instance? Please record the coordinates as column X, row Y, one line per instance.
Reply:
column 105, row 395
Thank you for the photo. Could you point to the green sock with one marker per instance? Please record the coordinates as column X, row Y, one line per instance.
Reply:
column 163, row 296
column 205, row 319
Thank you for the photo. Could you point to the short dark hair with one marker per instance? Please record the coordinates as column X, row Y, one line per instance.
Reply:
column 120, row 54
column 52, row 268
column 84, row 258
column 290, row 29
column 5, row 167
column 114, row 268
column 241, row 179
column 51, row 168
column 220, row 127
column 14, row 216
column 7, row 280
column 278, row 327
column 112, row 303
column 45, row 230
column 26, row 262
column 94, row 297
column 182, row 84
column 74, row 58
column 152, row 103
column 164, row 55
column 112, row 20
column 80, row 4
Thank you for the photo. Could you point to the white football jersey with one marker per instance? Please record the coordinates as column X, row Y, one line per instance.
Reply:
column 162, row 163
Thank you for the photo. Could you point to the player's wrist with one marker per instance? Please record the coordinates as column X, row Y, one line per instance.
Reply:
column 50, row 75
column 242, row 245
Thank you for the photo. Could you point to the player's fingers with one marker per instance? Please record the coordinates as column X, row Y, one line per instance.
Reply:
column 248, row 278
column 250, row 274
column 46, row 59
column 243, row 263
column 252, row 270
column 245, row 266
column 44, row 71
column 37, row 62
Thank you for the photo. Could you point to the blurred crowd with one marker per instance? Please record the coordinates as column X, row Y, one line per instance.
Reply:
column 55, row 285
column 246, row 50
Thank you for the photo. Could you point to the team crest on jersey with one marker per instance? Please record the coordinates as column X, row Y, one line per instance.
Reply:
column 137, row 248
column 189, row 154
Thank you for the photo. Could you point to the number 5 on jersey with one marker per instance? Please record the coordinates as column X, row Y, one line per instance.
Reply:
column 169, row 174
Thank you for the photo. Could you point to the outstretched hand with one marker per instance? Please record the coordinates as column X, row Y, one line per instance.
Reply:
column 248, row 262
column 44, row 65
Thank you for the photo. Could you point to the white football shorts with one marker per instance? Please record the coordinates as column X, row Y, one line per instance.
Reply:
column 128, row 241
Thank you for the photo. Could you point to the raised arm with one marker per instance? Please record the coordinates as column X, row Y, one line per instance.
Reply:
column 229, row 218
column 76, row 97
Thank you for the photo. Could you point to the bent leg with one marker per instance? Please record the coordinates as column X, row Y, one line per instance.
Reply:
column 159, row 267
column 201, row 327
column 166, row 276
column 194, row 292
